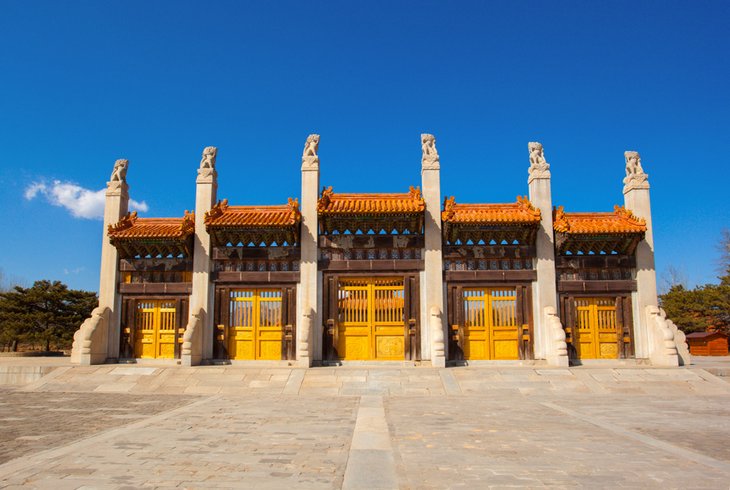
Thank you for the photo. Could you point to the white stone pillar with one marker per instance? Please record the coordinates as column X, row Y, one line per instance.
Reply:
column 309, row 315
column 98, row 340
column 650, row 336
column 198, row 338
column 433, row 328
column 544, row 291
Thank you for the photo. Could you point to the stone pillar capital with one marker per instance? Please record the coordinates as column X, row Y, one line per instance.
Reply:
column 117, row 189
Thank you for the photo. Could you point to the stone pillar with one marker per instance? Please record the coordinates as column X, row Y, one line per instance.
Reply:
column 198, row 337
column 309, row 321
column 652, row 339
column 546, row 340
column 432, row 290
column 98, row 338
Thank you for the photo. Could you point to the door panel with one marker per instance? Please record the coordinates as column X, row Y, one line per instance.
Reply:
column 491, row 328
column 155, row 324
column 596, row 333
column 371, row 319
column 255, row 330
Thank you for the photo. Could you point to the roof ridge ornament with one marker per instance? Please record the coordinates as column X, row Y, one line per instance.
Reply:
column 448, row 211
column 325, row 199
column 524, row 203
column 539, row 167
column 429, row 155
column 310, row 158
column 126, row 222
column 188, row 223
column 628, row 215
column 560, row 221
column 635, row 178
column 415, row 193
column 216, row 210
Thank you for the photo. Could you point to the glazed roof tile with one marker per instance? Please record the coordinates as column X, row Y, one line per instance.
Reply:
column 224, row 216
column 520, row 212
column 380, row 204
column 132, row 227
column 621, row 221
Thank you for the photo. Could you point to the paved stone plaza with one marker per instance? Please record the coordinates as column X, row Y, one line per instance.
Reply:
column 114, row 426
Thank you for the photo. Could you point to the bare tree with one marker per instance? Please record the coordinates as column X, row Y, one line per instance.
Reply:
column 672, row 276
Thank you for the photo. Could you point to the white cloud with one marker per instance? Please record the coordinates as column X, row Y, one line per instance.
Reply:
column 80, row 202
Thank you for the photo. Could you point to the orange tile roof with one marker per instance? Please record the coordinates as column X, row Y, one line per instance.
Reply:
column 224, row 216
column 379, row 204
column 621, row 221
column 520, row 212
column 132, row 227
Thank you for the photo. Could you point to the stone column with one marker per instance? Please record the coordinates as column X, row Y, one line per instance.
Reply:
column 546, row 340
column 649, row 330
column 98, row 338
column 432, row 290
column 309, row 321
column 198, row 337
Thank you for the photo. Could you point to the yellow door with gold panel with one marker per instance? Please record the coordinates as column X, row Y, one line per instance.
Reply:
column 155, row 323
column 371, row 319
column 491, row 331
column 255, row 330
column 596, row 335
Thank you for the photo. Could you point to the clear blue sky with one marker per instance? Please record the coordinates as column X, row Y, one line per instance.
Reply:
column 85, row 83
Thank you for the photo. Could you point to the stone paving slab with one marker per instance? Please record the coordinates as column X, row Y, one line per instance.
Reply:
column 30, row 422
column 367, row 427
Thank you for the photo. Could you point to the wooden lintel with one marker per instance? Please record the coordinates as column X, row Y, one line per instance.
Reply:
column 489, row 251
column 597, row 286
column 256, row 277
column 370, row 241
column 491, row 276
column 371, row 265
column 172, row 265
column 156, row 288
column 267, row 253
column 594, row 261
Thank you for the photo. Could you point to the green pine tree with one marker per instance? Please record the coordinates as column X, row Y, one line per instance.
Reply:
column 46, row 313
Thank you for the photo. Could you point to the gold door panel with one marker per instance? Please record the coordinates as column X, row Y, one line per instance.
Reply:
column 255, row 330
column 596, row 336
column 155, row 324
column 491, row 331
column 371, row 319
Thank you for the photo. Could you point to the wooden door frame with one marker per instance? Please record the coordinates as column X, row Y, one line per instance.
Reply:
column 411, row 311
column 127, row 321
column 455, row 316
column 221, row 313
column 624, row 321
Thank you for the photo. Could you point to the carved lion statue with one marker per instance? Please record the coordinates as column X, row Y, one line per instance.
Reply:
column 428, row 145
column 209, row 155
column 537, row 156
column 311, row 146
column 119, row 174
column 633, row 163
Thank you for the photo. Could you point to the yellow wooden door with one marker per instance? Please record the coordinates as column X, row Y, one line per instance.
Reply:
column 155, row 323
column 491, row 331
column 371, row 319
column 255, row 330
column 595, row 334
